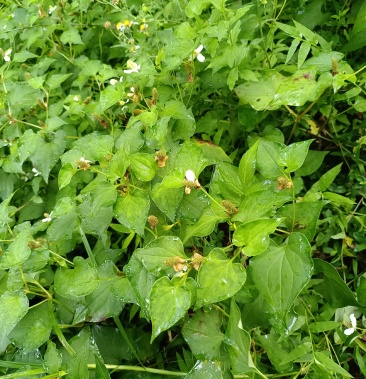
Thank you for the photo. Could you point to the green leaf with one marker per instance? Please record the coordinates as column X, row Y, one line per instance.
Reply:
column 292, row 49
column 267, row 157
column 298, row 352
column 232, row 78
column 203, row 335
column 303, row 53
column 204, row 226
column 157, row 255
column 325, row 181
column 77, row 282
column 23, row 56
column 169, row 302
column 206, row 369
column 143, row 166
column 338, row 199
column 95, row 217
column 132, row 209
column 110, row 297
column 110, row 96
column 357, row 38
column 72, row 37
column 118, row 165
column 64, row 220
column 277, row 350
column 167, row 199
column 52, row 358
column 247, row 166
column 47, row 154
column 293, row 156
column 312, row 162
column 141, row 281
column 280, row 273
column 324, row 326
column 218, row 278
column 231, row 187
column 277, row 90
column 302, row 217
column 18, row 251
column 190, row 157
column 65, row 175
column 260, row 204
column 130, row 140
column 33, row 330
column 333, row 288
column 361, row 290
column 329, row 365
column 14, row 306
column 4, row 212
column 177, row 110
column 213, row 153
column 238, row 343
column 53, row 123
column 95, row 146
column 55, row 80
column 101, row 371
column 254, row 235
column 36, row 82
column 77, row 366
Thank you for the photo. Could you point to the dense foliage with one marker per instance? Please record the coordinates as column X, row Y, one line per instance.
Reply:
column 182, row 189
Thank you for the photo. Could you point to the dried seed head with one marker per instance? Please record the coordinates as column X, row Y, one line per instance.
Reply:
column 197, row 260
column 283, row 183
column 230, row 207
column 153, row 221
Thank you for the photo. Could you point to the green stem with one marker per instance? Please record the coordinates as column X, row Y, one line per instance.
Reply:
column 87, row 247
column 127, row 340
column 58, row 331
column 26, row 373
column 137, row 368
column 211, row 198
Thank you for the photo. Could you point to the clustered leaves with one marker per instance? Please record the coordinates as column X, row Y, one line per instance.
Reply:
column 182, row 189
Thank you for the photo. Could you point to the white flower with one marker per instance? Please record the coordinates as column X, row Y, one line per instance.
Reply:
column 36, row 172
column 198, row 55
column 48, row 217
column 349, row 331
column 83, row 160
column 143, row 27
column 113, row 82
column 51, row 9
column 133, row 67
column 190, row 176
column 7, row 55
column 76, row 98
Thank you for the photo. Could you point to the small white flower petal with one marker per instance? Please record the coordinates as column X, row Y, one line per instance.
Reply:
column 133, row 67
column 353, row 320
column 199, row 49
column 76, row 98
column 113, row 82
column 190, row 176
column 36, row 172
column 201, row 58
column 349, row 331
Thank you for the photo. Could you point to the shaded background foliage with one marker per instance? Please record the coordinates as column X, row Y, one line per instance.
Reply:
column 105, row 106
